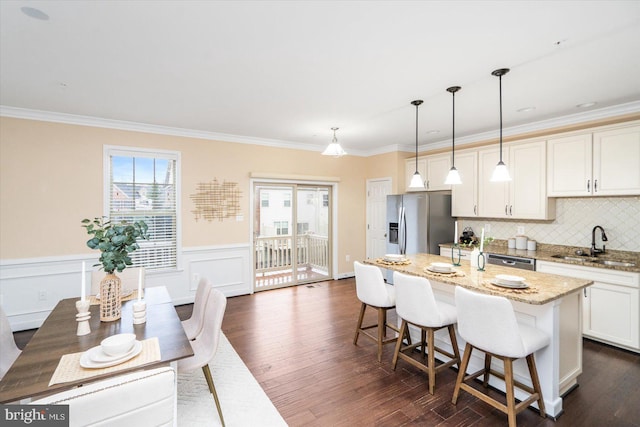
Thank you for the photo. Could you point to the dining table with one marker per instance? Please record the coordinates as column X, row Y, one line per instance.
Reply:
column 30, row 376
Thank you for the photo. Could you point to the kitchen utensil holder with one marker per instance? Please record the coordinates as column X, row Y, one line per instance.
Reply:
column 453, row 250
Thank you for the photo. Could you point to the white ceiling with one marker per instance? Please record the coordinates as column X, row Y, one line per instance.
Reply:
column 285, row 72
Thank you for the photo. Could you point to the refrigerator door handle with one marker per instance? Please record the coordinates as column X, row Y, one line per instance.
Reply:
column 402, row 231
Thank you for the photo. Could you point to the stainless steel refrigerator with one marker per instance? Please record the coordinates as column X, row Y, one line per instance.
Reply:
column 418, row 223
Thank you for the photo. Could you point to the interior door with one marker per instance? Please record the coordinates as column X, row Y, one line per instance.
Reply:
column 377, row 192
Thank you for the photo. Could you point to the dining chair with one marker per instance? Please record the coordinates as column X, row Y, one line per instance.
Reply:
column 193, row 325
column 128, row 279
column 488, row 323
column 9, row 351
column 416, row 305
column 205, row 344
column 372, row 291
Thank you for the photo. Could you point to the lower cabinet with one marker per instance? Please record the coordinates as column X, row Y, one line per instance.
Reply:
column 610, row 307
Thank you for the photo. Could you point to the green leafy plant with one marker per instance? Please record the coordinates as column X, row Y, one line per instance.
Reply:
column 115, row 241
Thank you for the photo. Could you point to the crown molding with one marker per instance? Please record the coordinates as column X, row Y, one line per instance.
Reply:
column 567, row 120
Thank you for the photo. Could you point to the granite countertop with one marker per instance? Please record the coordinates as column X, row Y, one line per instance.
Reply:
column 549, row 253
column 543, row 287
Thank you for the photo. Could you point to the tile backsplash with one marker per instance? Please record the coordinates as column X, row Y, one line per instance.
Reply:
column 575, row 218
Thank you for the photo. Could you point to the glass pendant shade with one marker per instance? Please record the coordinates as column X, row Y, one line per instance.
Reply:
column 453, row 177
column 416, row 181
column 334, row 149
column 500, row 173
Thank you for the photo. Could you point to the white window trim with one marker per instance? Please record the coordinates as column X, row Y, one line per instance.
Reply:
column 118, row 150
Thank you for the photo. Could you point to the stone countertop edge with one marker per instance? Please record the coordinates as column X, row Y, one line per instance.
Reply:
column 545, row 252
column 549, row 287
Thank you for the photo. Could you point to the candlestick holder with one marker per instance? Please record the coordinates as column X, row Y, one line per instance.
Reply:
column 453, row 250
column 481, row 261
column 139, row 312
column 83, row 317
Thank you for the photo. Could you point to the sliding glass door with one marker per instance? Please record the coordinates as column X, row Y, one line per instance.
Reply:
column 292, row 234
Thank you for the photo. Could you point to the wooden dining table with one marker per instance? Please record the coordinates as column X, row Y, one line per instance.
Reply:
column 30, row 374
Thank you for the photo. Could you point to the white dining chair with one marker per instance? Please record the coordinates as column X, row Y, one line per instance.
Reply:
column 193, row 325
column 373, row 292
column 488, row 323
column 128, row 279
column 416, row 305
column 9, row 351
column 205, row 344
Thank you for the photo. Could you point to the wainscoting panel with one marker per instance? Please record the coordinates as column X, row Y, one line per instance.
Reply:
column 30, row 288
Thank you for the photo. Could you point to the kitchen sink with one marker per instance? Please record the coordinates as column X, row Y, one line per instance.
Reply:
column 614, row 263
column 569, row 258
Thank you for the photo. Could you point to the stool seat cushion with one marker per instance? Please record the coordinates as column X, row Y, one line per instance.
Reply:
column 371, row 287
column 416, row 303
column 533, row 339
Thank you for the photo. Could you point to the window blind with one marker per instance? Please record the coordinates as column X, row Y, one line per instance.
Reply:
column 142, row 186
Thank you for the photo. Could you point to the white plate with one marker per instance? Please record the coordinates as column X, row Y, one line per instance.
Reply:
column 508, row 279
column 436, row 270
column 394, row 257
column 87, row 358
column 519, row 285
column 123, row 294
column 441, row 267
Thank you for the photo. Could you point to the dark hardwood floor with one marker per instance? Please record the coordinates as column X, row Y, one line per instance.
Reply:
column 297, row 342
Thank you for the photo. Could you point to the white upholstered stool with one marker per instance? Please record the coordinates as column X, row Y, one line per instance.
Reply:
column 373, row 292
column 488, row 323
column 417, row 306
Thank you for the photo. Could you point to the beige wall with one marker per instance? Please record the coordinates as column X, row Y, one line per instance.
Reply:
column 51, row 177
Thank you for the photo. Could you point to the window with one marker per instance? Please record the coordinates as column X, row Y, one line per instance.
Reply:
column 142, row 185
column 264, row 199
column 325, row 200
column 282, row 227
column 302, row 227
column 287, row 200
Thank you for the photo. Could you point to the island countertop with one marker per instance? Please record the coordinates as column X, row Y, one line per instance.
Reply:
column 543, row 288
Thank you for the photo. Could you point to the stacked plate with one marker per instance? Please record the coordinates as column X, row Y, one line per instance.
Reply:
column 394, row 258
column 508, row 281
column 440, row 267
column 96, row 358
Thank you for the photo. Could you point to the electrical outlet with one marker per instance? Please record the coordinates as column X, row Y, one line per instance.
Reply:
column 521, row 230
column 487, row 228
column 42, row 295
column 196, row 278
column 348, row 258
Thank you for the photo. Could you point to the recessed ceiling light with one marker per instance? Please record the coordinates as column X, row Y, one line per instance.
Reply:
column 525, row 109
column 586, row 104
column 34, row 13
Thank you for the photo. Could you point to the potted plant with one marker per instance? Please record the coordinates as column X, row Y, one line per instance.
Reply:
column 115, row 241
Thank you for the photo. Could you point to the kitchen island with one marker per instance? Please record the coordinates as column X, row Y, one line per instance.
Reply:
column 551, row 303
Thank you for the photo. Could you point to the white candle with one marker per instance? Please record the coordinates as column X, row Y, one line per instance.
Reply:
column 455, row 234
column 482, row 240
column 140, row 285
column 83, row 294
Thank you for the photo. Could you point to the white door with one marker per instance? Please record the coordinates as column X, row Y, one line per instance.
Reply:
column 377, row 192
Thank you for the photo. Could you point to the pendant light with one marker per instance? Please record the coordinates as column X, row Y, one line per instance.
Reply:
column 416, row 182
column 334, row 149
column 500, row 173
column 453, row 177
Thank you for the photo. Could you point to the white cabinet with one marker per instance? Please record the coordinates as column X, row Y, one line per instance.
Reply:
column 410, row 169
column 600, row 163
column 525, row 196
column 433, row 170
column 464, row 197
column 610, row 307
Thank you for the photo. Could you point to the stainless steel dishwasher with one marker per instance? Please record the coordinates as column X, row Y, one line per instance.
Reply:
column 512, row 261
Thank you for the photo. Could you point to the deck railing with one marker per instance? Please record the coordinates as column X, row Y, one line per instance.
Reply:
column 274, row 253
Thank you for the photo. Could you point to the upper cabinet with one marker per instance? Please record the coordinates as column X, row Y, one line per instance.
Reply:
column 464, row 197
column 524, row 197
column 433, row 169
column 602, row 163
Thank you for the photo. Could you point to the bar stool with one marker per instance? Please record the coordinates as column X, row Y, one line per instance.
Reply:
column 488, row 323
column 417, row 306
column 373, row 292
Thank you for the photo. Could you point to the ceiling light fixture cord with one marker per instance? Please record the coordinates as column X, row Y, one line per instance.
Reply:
column 416, row 181
column 417, row 104
column 501, row 173
column 453, row 177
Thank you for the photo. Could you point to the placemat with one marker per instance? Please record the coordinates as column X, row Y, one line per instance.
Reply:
column 94, row 300
column 456, row 273
column 69, row 368
column 386, row 262
column 530, row 290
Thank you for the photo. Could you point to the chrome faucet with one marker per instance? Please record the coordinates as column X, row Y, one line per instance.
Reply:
column 594, row 250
